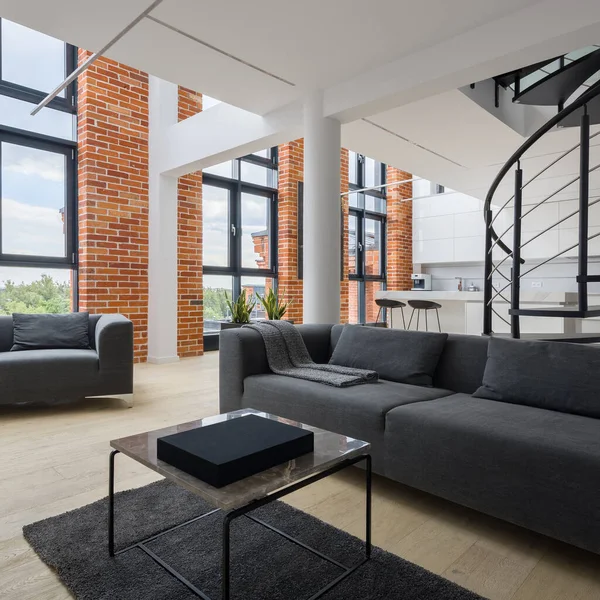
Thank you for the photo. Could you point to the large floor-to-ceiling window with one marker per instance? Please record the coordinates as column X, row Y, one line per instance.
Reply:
column 38, row 195
column 366, row 236
column 239, row 201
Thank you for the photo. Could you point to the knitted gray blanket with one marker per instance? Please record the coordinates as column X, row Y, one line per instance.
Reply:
column 287, row 355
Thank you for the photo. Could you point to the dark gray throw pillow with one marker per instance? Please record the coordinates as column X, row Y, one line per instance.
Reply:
column 552, row 375
column 396, row 355
column 43, row 332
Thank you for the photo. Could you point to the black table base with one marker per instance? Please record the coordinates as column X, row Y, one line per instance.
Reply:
column 243, row 511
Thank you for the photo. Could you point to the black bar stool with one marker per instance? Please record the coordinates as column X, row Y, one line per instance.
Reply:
column 425, row 305
column 391, row 304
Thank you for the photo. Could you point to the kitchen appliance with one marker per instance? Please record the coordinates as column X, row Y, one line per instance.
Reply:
column 421, row 282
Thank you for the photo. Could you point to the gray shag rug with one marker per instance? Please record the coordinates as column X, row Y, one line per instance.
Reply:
column 264, row 565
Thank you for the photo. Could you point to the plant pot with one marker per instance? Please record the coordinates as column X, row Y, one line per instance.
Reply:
column 230, row 325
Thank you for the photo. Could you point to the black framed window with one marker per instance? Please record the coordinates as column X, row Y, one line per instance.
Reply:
column 366, row 236
column 239, row 232
column 38, row 174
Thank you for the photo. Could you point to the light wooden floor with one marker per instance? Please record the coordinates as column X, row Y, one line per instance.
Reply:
column 55, row 459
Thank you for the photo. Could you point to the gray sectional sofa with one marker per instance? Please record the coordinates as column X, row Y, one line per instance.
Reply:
column 58, row 375
column 532, row 466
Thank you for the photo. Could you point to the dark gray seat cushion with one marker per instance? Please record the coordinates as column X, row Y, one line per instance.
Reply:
column 562, row 377
column 357, row 411
column 46, row 331
column 61, row 371
column 533, row 467
column 397, row 355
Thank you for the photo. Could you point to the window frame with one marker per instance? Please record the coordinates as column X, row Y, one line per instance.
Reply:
column 362, row 214
column 39, row 141
column 236, row 188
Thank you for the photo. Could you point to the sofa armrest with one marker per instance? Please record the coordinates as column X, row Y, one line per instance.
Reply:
column 114, row 343
column 242, row 354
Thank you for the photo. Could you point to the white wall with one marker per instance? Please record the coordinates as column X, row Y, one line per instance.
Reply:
column 449, row 242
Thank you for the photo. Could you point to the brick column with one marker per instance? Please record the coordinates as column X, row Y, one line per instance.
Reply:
column 113, row 193
column 399, row 231
column 345, row 285
column 291, row 172
column 190, row 313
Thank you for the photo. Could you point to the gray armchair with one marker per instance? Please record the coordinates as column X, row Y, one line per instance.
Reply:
column 53, row 376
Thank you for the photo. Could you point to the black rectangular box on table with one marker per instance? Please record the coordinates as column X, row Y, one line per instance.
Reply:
column 226, row 452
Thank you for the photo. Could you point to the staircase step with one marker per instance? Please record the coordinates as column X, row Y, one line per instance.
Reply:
column 563, row 312
column 507, row 79
column 574, row 338
column 574, row 119
column 556, row 88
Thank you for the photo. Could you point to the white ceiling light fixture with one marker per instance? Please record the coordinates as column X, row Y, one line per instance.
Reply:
column 92, row 59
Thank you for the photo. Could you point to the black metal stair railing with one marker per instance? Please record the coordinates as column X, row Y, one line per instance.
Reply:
column 495, row 241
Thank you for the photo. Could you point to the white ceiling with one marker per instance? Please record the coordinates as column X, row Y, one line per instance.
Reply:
column 263, row 54
column 389, row 69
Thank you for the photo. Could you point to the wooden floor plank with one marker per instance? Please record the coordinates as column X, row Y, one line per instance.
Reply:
column 58, row 461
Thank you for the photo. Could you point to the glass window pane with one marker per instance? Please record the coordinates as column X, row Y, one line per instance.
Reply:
column 27, row 290
column 223, row 169
column 375, row 204
column 32, row 59
column 352, row 244
column 215, row 306
column 352, row 172
column 353, row 301
column 215, row 226
column 253, row 286
column 257, row 174
column 372, row 172
column 356, row 200
column 264, row 153
column 373, row 256
column 371, row 309
column 255, row 231
column 33, row 201
column 16, row 113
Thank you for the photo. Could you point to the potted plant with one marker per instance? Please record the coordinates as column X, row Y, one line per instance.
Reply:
column 275, row 305
column 240, row 310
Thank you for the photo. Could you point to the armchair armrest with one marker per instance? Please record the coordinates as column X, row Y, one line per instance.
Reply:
column 114, row 343
column 242, row 354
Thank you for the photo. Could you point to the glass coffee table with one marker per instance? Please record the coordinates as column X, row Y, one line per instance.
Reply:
column 332, row 453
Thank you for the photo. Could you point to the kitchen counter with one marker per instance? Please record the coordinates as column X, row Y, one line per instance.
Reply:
column 462, row 312
column 464, row 296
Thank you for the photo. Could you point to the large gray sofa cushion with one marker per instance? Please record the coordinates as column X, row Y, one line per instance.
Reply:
column 462, row 363
column 61, row 371
column 46, row 331
column 358, row 411
column 533, row 467
column 562, row 377
column 397, row 355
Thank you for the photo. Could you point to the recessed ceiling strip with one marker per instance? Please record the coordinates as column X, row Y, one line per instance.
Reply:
column 223, row 52
column 413, row 143
column 94, row 58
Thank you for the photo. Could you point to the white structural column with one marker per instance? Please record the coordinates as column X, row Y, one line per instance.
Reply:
column 162, row 252
column 322, row 214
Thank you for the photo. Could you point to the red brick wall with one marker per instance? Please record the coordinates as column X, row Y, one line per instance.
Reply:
column 291, row 171
column 190, row 325
column 113, row 193
column 346, row 287
column 399, row 236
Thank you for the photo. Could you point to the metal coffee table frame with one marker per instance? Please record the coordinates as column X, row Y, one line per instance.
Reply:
column 243, row 511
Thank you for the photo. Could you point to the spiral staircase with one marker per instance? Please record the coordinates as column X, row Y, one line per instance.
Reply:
column 571, row 83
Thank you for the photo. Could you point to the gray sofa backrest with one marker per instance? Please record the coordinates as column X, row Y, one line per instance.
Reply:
column 6, row 332
column 461, row 365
